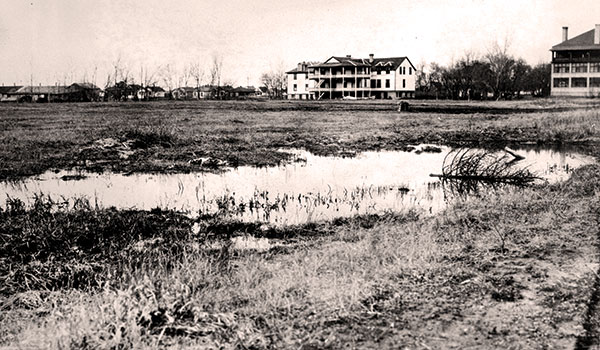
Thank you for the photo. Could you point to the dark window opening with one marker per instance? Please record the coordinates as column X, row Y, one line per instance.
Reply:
column 578, row 82
column 561, row 82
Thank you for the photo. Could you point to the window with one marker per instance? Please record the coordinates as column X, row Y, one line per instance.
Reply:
column 595, row 67
column 378, row 84
column 561, row 82
column 378, row 71
column 294, row 76
column 373, row 84
column 561, row 68
column 578, row 82
column 403, row 70
column 579, row 67
column 403, row 83
column 409, row 70
column 295, row 87
column 306, row 86
column 595, row 82
column 387, row 71
column 387, row 83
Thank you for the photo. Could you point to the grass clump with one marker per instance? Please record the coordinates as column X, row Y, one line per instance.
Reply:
column 72, row 245
column 150, row 137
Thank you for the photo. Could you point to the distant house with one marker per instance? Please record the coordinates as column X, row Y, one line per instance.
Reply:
column 52, row 93
column 264, row 91
column 84, row 92
column 6, row 93
column 185, row 93
column 156, row 93
column 243, row 92
column 260, row 91
column 576, row 65
column 121, row 91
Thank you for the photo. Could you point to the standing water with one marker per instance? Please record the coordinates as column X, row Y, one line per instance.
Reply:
column 317, row 188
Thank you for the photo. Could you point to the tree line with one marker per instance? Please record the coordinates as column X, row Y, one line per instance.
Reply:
column 497, row 75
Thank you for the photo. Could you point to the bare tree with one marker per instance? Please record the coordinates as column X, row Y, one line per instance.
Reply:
column 501, row 64
column 121, row 72
column 197, row 73
column 275, row 81
column 148, row 78
column 167, row 74
column 216, row 70
column 109, row 81
column 186, row 75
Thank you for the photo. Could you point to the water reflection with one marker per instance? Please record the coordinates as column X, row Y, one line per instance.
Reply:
column 319, row 188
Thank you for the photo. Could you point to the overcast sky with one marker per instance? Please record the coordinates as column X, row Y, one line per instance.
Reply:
column 51, row 41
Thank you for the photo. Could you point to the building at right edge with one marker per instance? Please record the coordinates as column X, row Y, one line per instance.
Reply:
column 576, row 65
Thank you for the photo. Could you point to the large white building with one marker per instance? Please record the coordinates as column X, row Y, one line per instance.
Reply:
column 576, row 65
column 347, row 77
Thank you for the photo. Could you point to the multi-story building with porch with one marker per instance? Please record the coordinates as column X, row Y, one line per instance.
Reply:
column 356, row 78
column 576, row 65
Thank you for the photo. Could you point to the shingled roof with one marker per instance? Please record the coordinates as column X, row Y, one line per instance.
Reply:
column 41, row 90
column 342, row 62
column 388, row 62
column 8, row 89
column 583, row 41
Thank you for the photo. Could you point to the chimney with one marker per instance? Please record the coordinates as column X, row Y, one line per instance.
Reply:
column 348, row 56
column 371, row 57
column 565, row 33
column 300, row 67
column 597, row 35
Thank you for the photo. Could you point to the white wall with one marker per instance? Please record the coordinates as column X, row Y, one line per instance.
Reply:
column 301, row 82
column 409, row 77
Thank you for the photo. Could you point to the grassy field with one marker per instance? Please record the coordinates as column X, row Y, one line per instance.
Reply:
column 190, row 136
column 517, row 268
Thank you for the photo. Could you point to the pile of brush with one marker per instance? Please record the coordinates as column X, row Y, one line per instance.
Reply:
column 485, row 166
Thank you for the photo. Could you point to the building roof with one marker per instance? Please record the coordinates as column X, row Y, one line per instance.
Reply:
column 305, row 65
column 41, row 90
column 156, row 89
column 187, row 89
column 391, row 62
column 88, row 86
column 7, row 89
column 583, row 41
column 295, row 70
column 343, row 62
column 248, row 90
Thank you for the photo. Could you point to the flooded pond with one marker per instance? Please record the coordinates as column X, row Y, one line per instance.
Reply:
column 316, row 188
